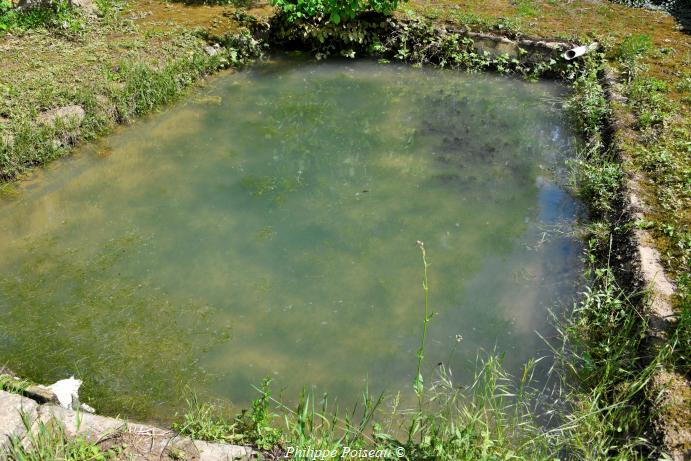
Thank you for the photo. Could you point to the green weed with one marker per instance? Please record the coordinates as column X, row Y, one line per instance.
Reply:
column 335, row 10
column 59, row 15
column 597, row 179
column 630, row 53
column 204, row 421
column 587, row 104
column 681, row 338
column 48, row 442
column 11, row 384
column 648, row 99
column 526, row 8
column 418, row 385
column 256, row 423
column 254, row 426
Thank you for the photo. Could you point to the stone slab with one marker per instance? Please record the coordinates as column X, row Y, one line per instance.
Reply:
column 11, row 408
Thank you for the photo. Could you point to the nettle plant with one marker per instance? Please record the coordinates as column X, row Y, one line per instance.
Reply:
column 335, row 11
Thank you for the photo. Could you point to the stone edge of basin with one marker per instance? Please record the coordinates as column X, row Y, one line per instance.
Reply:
column 525, row 49
column 522, row 48
column 142, row 441
column 673, row 389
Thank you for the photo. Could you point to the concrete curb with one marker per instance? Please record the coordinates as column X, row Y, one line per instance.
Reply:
column 672, row 403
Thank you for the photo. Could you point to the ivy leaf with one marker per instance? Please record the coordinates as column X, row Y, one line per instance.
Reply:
column 335, row 18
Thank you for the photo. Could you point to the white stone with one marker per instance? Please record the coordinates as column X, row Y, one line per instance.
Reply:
column 67, row 392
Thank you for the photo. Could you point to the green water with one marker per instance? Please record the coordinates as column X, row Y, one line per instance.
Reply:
column 267, row 227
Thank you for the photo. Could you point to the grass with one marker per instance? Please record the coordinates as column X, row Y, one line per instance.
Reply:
column 204, row 421
column 606, row 334
column 598, row 178
column 113, row 69
column 132, row 90
column 492, row 419
column 11, row 384
column 597, row 411
column 59, row 15
column 605, row 357
column 118, row 70
column 630, row 52
column 48, row 442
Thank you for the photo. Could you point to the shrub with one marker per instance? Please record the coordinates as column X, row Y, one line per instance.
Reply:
column 335, row 10
column 57, row 15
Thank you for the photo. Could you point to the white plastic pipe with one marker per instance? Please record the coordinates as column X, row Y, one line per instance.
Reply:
column 579, row 51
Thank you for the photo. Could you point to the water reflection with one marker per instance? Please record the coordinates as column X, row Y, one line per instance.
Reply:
column 267, row 227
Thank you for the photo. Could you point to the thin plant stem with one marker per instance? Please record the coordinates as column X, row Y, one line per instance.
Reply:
column 418, row 385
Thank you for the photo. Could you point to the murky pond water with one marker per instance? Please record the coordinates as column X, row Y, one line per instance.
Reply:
column 267, row 227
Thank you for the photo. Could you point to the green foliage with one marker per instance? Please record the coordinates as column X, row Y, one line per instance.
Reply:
column 11, row 384
column 492, row 420
column 418, row 385
column 414, row 41
column 609, row 371
column 527, row 8
column 648, row 99
column 608, row 328
column 630, row 53
column 132, row 89
column 587, row 104
column 204, row 421
column 596, row 179
column 48, row 442
column 606, row 369
column 146, row 87
column 336, row 11
column 635, row 46
column 56, row 15
column 256, row 423
column 109, row 10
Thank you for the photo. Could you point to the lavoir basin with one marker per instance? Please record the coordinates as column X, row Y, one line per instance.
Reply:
column 267, row 226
